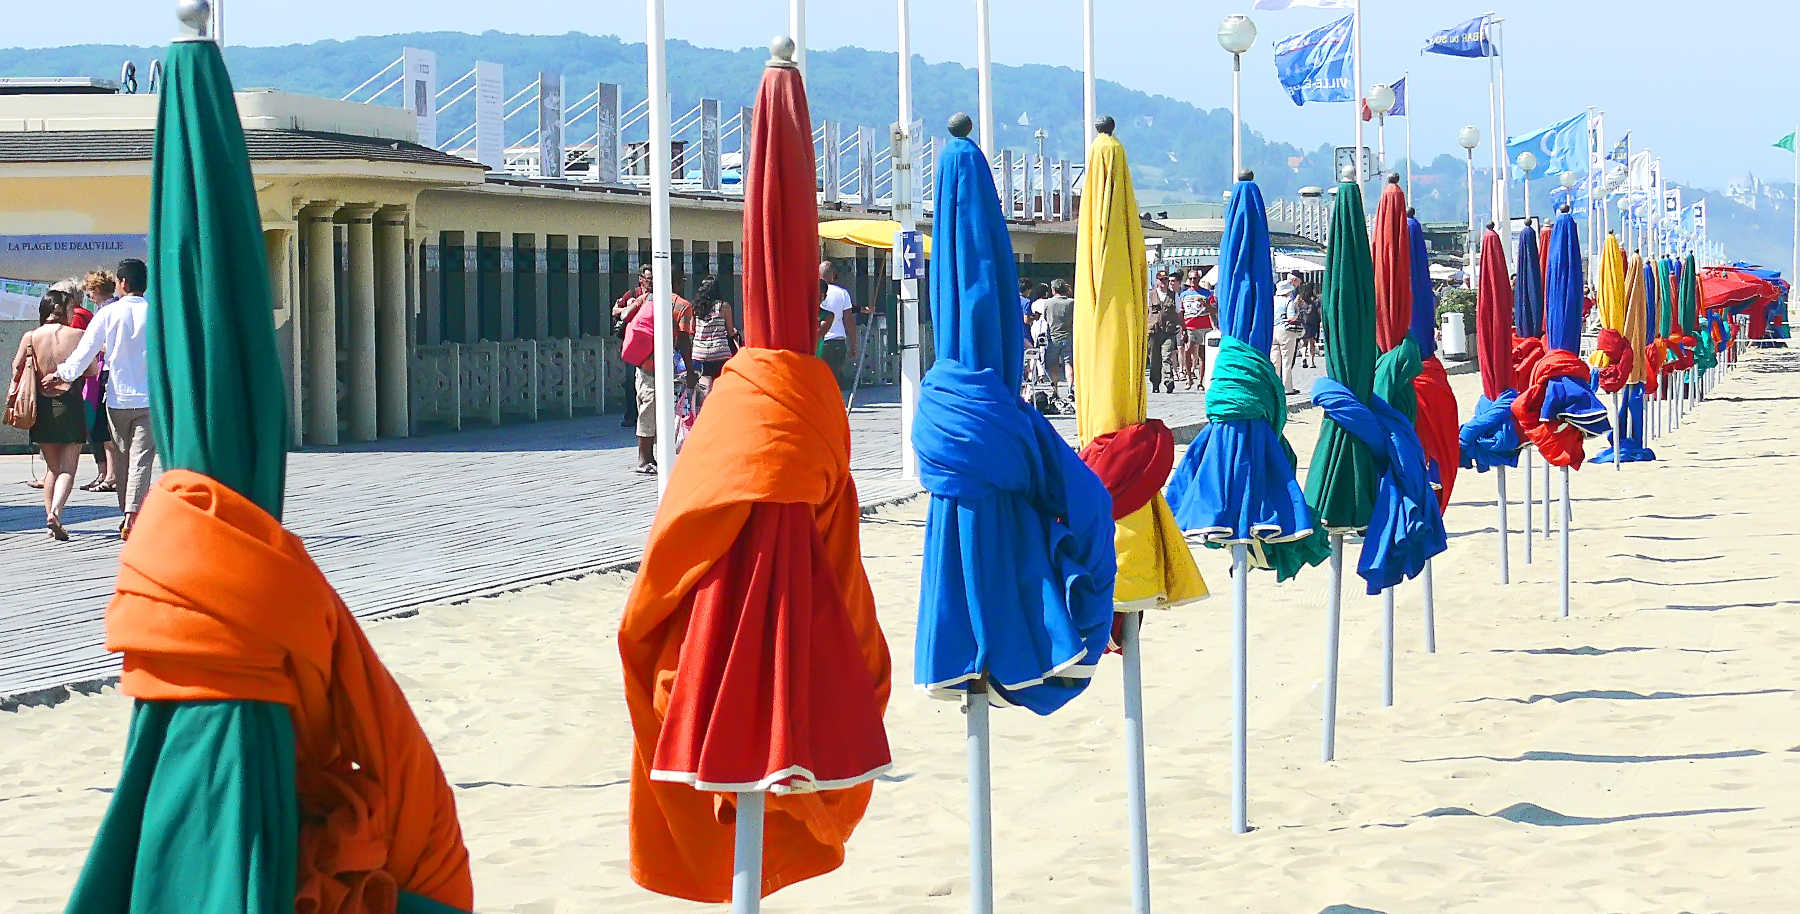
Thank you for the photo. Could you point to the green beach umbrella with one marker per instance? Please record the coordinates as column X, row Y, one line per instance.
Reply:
column 1665, row 311
column 1341, row 481
column 1705, row 355
column 207, row 814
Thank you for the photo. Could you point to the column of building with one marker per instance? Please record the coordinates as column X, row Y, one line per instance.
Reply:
column 375, row 347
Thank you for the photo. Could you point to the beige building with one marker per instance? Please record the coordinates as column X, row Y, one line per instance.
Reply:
column 412, row 289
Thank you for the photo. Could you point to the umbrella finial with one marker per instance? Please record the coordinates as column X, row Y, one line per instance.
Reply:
column 1490, row 226
column 1394, row 178
column 1347, row 174
column 1105, row 124
column 1411, row 213
column 961, row 125
column 1563, row 209
column 195, row 15
column 1246, row 175
column 781, row 52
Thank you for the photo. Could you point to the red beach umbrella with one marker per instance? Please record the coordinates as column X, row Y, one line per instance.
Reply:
column 753, row 659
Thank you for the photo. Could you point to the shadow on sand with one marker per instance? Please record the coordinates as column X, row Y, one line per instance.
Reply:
column 1623, row 695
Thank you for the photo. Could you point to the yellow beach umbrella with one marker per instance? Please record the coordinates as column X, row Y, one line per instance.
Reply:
column 1155, row 565
column 1131, row 455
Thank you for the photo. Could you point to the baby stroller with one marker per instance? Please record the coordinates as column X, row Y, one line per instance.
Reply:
column 1043, row 393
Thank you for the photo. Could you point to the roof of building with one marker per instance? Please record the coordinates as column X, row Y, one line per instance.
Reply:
column 137, row 145
column 1280, row 241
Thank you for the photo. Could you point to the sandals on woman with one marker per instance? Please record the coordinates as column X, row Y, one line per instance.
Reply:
column 54, row 525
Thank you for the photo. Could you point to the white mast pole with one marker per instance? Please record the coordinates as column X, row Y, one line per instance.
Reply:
column 1090, row 106
column 662, row 293
column 1356, row 154
column 1407, row 79
column 797, row 31
column 906, row 213
column 984, row 65
column 1504, row 215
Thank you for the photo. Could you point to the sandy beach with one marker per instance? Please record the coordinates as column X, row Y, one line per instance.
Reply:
column 1641, row 756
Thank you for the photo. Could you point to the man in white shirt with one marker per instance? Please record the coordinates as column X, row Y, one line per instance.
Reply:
column 1287, row 328
column 837, row 339
column 121, row 330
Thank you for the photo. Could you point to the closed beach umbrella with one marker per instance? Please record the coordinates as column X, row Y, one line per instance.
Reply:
column 1705, row 347
column 1131, row 454
column 1618, row 352
column 1656, row 349
column 753, row 659
column 1017, row 592
column 1436, row 422
column 1236, row 484
column 1392, row 255
column 1490, row 439
column 1342, row 477
column 273, row 764
column 1636, row 327
column 1557, row 410
column 1528, row 307
column 1117, row 440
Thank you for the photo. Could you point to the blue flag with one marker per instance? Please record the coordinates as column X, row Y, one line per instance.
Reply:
column 1399, row 98
column 1621, row 151
column 1469, row 39
column 1559, row 147
column 1316, row 66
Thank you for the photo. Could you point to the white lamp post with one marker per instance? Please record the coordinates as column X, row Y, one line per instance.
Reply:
column 1381, row 101
column 1236, row 34
column 1527, row 164
column 1469, row 138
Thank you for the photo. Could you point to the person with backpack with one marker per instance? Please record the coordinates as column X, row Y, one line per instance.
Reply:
column 1165, row 333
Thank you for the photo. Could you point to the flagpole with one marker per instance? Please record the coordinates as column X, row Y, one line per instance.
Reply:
column 1090, row 106
column 1356, row 154
column 1505, row 172
column 1406, row 78
column 663, row 319
column 984, row 64
column 906, row 213
column 1794, row 277
column 797, row 31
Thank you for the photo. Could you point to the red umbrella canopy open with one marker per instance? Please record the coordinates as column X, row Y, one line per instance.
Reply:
column 1392, row 249
column 781, row 219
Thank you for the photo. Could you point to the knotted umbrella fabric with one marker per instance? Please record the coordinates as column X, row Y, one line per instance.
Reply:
column 1236, row 483
column 1491, row 436
column 1406, row 527
column 1437, row 415
column 1392, row 256
column 1558, row 408
column 273, row 765
column 1154, row 564
column 1706, row 354
column 1678, row 353
column 1613, row 354
column 1017, row 586
column 753, row 657
column 1342, row 480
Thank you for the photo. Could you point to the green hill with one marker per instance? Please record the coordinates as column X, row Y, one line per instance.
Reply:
column 1179, row 151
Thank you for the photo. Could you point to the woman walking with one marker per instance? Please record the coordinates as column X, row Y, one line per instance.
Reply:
column 62, row 427
column 715, row 335
column 1309, row 309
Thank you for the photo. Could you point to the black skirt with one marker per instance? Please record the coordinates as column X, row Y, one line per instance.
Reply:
column 61, row 420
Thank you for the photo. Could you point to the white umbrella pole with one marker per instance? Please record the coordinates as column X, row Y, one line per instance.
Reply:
column 1565, row 542
column 1134, row 763
column 1505, row 572
column 981, row 807
column 1430, row 612
column 1547, row 497
column 1334, row 590
column 1240, row 687
column 1530, row 505
column 1387, row 647
column 746, row 859
column 984, row 84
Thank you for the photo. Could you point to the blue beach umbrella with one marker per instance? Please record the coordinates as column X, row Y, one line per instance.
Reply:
column 1528, row 288
column 1017, row 593
column 1236, row 483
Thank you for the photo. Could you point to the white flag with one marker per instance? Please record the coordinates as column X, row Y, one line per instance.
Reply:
column 1643, row 176
column 1301, row 4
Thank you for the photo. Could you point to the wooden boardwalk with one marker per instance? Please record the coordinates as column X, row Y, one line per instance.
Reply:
column 398, row 524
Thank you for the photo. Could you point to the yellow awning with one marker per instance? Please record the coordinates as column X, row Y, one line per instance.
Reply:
column 865, row 233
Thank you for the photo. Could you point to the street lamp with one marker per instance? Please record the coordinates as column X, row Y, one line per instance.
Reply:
column 1469, row 138
column 1381, row 101
column 1527, row 164
column 1236, row 34
column 1043, row 171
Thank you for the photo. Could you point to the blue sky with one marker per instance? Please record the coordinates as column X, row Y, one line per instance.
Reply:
column 1641, row 62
